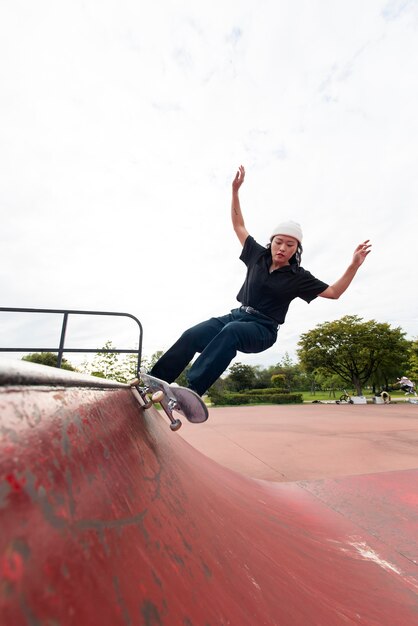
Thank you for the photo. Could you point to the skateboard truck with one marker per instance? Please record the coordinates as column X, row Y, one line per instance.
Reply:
column 169, row 407
column 150, row 399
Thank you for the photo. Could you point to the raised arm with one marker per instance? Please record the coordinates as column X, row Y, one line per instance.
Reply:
column 337, row 289
column 236, row 214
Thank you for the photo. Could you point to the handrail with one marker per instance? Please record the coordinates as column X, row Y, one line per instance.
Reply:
column 61, row 348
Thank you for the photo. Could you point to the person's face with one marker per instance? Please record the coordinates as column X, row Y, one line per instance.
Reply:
column 283, row 247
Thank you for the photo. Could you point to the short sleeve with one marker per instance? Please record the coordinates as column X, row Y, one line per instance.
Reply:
column 251, row 251
column 309, row 286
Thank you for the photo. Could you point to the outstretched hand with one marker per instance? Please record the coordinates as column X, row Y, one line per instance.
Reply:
column 360, row 253
column 335, row 290
column 239, row 178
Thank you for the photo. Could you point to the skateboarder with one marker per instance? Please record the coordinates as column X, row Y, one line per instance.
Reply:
column 406, row 385
column 274, row 278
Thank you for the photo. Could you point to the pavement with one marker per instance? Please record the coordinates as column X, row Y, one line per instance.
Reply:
column 306, row 442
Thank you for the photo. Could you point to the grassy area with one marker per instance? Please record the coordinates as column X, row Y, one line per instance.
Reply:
column 325, row 396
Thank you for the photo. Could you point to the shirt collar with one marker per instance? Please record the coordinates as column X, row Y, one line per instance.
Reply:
column 286, row 268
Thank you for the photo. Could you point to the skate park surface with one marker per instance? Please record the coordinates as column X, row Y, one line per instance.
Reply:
column 262, row 515
column 286, row 443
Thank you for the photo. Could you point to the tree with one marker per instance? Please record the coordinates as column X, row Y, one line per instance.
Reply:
column 148, row 363
column 262, row 376
column 294, row 376
column 241, row 377
column 412, row 371
column 354, row 350
column 328, row 382
column 111, row 366
column 105, row 364
column 50, row 359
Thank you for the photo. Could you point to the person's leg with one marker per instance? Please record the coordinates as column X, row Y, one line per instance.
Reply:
column 236, row 336
column 193, row 340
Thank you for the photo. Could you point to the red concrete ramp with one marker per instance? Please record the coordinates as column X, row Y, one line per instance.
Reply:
column 108, row 518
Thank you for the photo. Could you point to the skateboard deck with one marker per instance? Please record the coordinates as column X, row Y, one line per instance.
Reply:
column 173, row 398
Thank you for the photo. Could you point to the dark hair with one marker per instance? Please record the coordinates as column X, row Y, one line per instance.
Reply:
column 296, row 258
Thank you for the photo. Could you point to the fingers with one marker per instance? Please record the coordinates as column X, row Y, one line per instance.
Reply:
column 362, row 250
column 364, row 247
column 239, row 176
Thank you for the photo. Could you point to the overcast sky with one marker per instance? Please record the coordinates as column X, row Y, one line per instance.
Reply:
column 122, row 124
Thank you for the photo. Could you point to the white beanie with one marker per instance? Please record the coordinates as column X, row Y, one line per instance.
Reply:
column 292, row 229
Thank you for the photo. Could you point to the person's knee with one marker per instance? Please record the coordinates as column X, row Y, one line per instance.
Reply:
column 191, row 335
column 196, row 337
column 239, row 336
column 200, row 335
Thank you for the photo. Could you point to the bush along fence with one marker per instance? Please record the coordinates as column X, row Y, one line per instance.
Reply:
column 253, row 396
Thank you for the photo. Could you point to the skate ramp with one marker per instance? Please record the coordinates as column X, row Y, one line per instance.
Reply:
column 107, row 517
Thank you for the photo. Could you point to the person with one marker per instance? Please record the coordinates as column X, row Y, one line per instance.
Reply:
column 274, row 278
column 406, row 385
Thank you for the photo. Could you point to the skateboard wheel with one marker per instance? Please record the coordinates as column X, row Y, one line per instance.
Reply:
column 157, row 396
column 175, row 425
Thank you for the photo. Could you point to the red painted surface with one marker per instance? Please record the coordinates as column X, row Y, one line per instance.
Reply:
column 107, row 517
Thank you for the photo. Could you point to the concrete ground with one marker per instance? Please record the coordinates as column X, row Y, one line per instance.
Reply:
column 311, row 441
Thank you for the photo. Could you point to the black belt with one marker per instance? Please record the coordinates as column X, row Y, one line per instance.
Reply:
column 252, row 311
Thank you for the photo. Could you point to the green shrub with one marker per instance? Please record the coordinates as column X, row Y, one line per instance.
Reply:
column 254, row 396
column 279, row 381
column 266, row 391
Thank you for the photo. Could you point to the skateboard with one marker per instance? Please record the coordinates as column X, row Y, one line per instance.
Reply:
column 172, row 398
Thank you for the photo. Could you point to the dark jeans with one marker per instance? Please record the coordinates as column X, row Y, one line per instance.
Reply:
column 218, row 340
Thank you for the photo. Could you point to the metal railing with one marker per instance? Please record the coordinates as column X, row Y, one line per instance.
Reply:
column 61, row 349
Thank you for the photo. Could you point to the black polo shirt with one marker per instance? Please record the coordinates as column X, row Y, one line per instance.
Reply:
column 271, row 293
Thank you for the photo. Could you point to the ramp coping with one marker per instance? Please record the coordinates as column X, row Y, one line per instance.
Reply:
column 24, row 373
